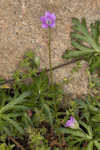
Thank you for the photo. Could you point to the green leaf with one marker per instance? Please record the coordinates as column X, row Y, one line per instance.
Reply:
column 48, row 113
column 13, row 123
column 73, row 148
column 83, row 22
column 88, row 128
column 80, row 26
column 78, row 36
column 74, row 140
column 27, row 119
column 85, row 43
column 92, row 108
column 77, row 53
column 96, row 117
column 96, row 65
column 3, row 146
column 16, row 101
column 73, row 132
column 80, row 46
column 97, row 144
column 6, row 147
column 12, row 115
column 89, row 146
column 19, row 108
column 95, row 31
column 81, row 103
column 75, row 21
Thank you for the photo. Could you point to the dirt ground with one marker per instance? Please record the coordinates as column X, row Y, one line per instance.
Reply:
column 20, row 30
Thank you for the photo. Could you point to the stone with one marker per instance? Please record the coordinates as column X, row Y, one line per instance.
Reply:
column 20, row 31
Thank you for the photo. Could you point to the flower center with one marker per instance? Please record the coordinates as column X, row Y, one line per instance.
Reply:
column 48, row 21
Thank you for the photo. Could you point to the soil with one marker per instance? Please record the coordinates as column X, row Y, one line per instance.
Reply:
column 20, row 31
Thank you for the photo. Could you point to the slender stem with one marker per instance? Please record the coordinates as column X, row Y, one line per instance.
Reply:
column 55, row 111
column 18, row 144
column 49, row 46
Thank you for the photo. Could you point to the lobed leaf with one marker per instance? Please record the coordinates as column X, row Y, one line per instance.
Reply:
column 13, row 123
column 73, row 132
column 97, row 144
column 85, row 43
column 48, row 113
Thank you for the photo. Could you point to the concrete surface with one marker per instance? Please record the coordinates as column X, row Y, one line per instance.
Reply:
column 20, row 30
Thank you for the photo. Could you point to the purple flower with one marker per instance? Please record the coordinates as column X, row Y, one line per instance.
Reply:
column 72, row 123
column 48, row 20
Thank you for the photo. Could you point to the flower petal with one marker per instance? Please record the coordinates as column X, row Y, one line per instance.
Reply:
column 53, row 16
column 48, row 20
column 42, row 18
column 72, row 119
column 52, row 25
column 44, row 25
column 47, row 14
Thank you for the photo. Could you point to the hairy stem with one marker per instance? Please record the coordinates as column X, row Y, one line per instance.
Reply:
column 49, row 46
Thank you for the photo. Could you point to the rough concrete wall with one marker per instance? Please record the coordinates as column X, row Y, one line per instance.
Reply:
column 20, row 30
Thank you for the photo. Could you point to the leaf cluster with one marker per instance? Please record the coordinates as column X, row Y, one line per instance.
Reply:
column 3, row 146
column 45, row 97
column 28, row 67
column 11, row 112
column 86, row 43
column 87, row 137
column 37, row 140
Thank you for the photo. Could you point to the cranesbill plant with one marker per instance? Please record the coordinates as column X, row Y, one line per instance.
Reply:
column 48, row 21
column 86, row 43
column 85, row 131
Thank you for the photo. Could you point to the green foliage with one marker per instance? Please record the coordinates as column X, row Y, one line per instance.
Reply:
column 3, row 145
column 37, row 140
column 48, row 113
column 96, row 82
column 6, row 147
column 11, row 109
column 28, row 67
column 86, row 43
column 73, row 148
column 44, row 127
column 89, row 122
column 1, row 79
column 45, row 97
